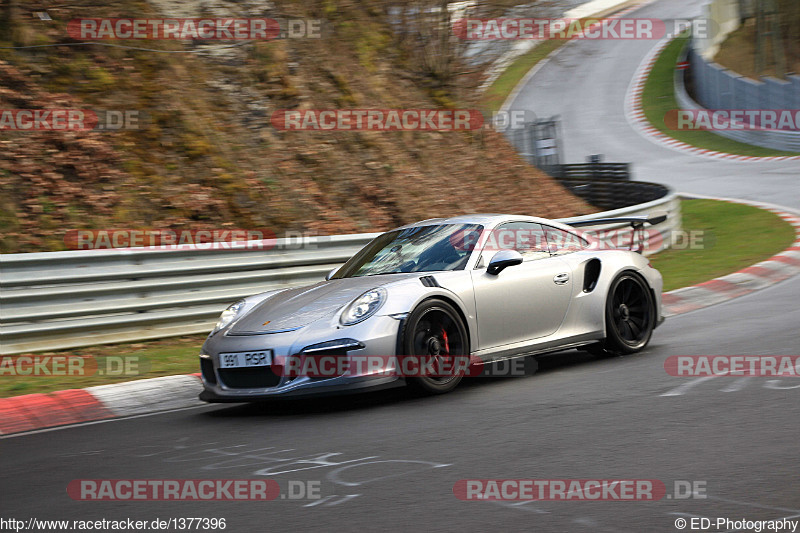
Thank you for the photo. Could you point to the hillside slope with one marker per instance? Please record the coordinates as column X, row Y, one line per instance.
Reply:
column 205, row 155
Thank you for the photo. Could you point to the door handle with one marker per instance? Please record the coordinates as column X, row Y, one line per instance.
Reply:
column 561, row 279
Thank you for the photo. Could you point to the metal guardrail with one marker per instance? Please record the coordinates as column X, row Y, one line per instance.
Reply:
column 58, row 300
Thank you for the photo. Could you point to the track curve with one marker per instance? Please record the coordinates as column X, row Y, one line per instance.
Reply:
column 587, row 83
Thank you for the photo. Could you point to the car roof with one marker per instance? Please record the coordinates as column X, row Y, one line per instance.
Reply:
column 489, row 220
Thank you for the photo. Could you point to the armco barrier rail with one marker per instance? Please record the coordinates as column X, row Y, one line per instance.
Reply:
column 57, row 300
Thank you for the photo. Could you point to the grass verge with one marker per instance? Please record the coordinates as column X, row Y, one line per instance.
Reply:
column 735, row 236
column 658, row 98
column 120, row 362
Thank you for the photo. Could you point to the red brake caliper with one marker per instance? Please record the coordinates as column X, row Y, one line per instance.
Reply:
column 446, row 344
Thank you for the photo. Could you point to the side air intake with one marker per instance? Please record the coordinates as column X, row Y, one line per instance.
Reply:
column 429, row 281
column 591, row 274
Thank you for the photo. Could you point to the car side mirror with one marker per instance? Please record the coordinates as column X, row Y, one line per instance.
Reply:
column 502, row 260
column 331, row 273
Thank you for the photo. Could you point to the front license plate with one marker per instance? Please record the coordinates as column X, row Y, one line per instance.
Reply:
column 245, row 359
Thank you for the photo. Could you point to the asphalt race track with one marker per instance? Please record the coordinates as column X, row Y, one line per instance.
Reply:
column 388, row 461
column 577, row 418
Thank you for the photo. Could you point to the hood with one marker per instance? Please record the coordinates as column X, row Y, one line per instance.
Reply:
column 294, row 308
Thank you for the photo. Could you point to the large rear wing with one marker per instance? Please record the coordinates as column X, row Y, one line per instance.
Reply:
column 637, row 224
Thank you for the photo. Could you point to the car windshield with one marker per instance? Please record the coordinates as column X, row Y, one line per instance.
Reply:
column 415, row 249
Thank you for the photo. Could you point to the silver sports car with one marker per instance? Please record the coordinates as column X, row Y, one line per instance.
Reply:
column 424, row 303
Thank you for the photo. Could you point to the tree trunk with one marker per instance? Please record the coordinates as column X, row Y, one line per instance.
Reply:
column 8, row 18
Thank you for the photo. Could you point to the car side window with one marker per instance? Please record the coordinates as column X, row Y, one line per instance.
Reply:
column 527, row 238
column 562, row 242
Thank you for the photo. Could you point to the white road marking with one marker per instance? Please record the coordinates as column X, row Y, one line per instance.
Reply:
column 680, row 390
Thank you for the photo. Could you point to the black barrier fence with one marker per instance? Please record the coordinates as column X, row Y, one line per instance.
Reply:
column 591, row 171
column 604, row 185
column 614, row 194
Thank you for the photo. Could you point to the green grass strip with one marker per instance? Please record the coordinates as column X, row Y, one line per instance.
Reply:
column 734, row 236
column 658, row 98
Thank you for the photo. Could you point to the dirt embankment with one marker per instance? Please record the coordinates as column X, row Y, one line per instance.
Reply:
column 204, row 154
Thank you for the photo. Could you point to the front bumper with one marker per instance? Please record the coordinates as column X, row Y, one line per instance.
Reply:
column 378, row 335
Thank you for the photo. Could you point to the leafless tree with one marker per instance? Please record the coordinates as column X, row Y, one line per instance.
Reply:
column 8, row 17
column 424, row 29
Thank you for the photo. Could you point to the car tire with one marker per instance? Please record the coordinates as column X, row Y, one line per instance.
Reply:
column 629, row 315
column 435, row 331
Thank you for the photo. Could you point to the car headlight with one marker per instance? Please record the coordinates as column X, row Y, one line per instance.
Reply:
column 228, row 315
column 363, row 307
